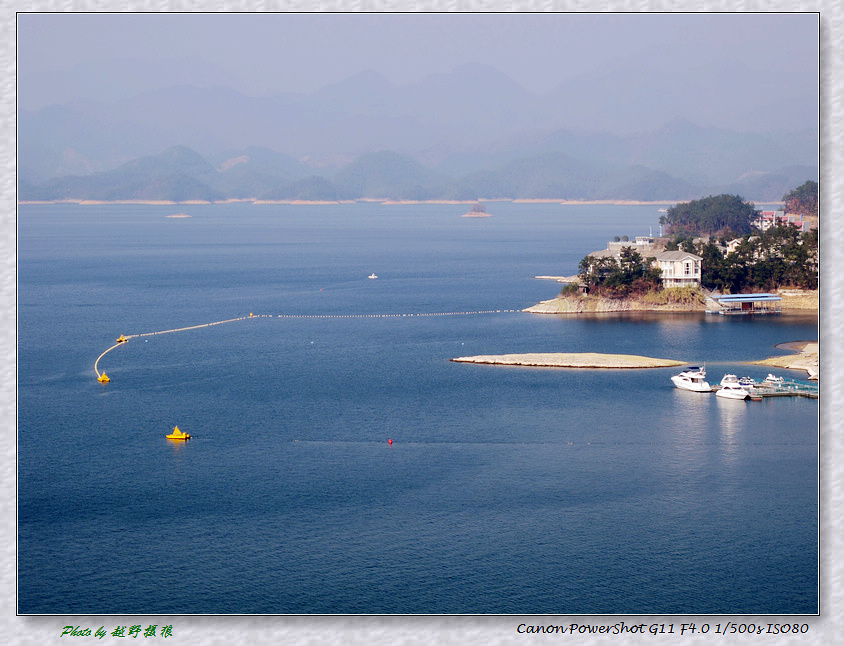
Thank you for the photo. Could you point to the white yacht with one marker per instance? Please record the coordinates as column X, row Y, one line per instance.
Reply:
column 748, row 383
column 372, row 275
column 732, row 389
column 692, row 378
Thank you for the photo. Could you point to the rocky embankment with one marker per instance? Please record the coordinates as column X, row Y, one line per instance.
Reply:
column 792, row 299
column 581, row 304
column 798, row 299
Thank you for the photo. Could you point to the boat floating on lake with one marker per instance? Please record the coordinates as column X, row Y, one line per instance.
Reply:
column 372, row 275
column 730, row 388
column 692, row 378
column 178, row 434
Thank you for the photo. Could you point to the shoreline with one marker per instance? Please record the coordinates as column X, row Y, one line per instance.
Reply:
column 585, row 305
column 793, row 301
column 806, row 358
column 385, row 201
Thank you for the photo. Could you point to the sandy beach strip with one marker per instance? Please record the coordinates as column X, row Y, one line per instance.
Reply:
column 572, row 360
column 807, row 358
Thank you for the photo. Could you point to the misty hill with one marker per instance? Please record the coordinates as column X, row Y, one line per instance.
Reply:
column 665, row 82
column 701, row 156
column 472, row 119
column 389, row 174
column 180, row 173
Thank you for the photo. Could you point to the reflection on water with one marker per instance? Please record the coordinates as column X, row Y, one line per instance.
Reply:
column 693, row 411
column 732, row 415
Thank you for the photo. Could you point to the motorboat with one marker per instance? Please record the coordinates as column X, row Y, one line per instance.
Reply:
column 771, row 379
column 372, row 275
column 178, row 434
column 692, row 378
column 730, row 388
column 748, row 383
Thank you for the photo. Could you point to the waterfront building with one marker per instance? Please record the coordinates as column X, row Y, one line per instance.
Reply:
column 679, row 268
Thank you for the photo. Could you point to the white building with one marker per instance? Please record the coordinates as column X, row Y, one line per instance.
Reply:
column 679, row 268
column 768, row 219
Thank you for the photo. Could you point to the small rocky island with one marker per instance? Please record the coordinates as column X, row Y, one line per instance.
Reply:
column 478, row 210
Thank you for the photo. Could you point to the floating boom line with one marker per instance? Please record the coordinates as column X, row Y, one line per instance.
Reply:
column 103, row 378
column 191, row 327
column 123, row 339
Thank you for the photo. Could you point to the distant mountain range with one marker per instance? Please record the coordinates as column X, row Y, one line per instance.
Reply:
column 181, row 174
column 473, row 133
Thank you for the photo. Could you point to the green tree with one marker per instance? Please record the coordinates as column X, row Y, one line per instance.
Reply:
column 712, row 265
column 802, row 200
column 712, row 216
column 618, row 278
column 779, row 257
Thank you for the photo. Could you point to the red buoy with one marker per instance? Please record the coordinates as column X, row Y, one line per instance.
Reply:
column 389, row 441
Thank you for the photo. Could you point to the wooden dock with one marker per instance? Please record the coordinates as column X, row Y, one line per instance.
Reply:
column 790, row 388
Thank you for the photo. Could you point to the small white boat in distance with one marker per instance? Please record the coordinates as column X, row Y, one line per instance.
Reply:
column 692, row 378
column 771, row 379
column 372, row 275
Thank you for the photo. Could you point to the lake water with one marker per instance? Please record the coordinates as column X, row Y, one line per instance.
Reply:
column 505, row 490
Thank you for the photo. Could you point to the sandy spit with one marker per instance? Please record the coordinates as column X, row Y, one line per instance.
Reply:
column 559, row 279
column 572, row 360
column 807, row 358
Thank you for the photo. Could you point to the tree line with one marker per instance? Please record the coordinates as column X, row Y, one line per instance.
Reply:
column 756, row 260
column 779, row 257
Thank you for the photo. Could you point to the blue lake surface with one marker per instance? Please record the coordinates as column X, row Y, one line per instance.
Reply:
column 505, row 490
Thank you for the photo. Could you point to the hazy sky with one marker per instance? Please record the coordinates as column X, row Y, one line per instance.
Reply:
column 302, row 52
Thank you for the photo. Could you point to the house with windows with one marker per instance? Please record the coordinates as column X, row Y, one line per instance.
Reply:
column 679, row 268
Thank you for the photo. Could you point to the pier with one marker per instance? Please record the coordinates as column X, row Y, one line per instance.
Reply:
column 731, row 304
column 790, row 388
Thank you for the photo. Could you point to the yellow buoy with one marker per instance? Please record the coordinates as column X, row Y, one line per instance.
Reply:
column 103, row 378
column 178, row 435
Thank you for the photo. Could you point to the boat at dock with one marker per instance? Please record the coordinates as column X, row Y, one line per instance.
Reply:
column 748, row 383
column 730, row 388
column 692, row 378
column 780, row 387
